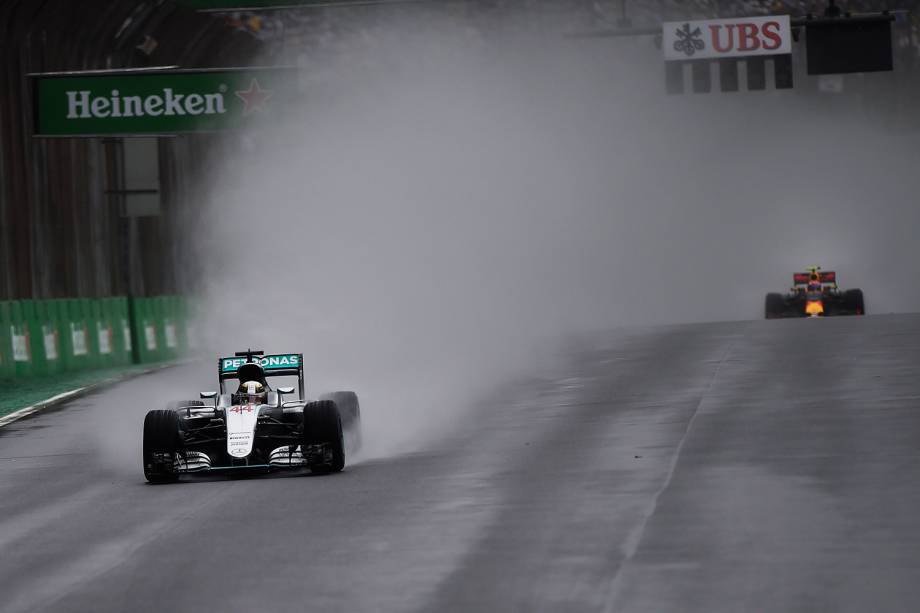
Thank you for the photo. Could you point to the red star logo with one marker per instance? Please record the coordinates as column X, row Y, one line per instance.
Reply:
column 254, row 98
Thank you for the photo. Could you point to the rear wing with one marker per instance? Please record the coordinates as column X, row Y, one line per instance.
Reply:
column 825, row 278
column 276, row 365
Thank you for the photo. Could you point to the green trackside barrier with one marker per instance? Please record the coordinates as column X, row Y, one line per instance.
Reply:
column 155, row 321
column 89, row 316
column 183, row 316
column 118, row 311
column 133, row 328
column 168, row 306
column 170, row 326
column 86, row 310
column 180, row 309
column 20, row 341
column 7, row 367
column 33, row 330
column 147, row 331
column 137, row 329
column 41, row 337
column 118, row 307
column 195, row 311
column 117, row 320
column 47, row 337
column 63, row 316
column 156, row 315
column 104, row 330
column 167, row 328
column 68, row 361
column 77, row 333
column 99, row 334
column 50, row 340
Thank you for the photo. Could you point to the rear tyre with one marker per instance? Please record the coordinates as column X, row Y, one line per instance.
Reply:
column 161, row 444
column 350, row 412
column 855, row 301
column 322, row 425
column 774, row 306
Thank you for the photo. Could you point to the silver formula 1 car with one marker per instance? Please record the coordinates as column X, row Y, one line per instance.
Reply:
column 255, row 427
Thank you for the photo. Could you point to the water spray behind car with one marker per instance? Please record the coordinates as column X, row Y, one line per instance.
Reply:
column 446, row 204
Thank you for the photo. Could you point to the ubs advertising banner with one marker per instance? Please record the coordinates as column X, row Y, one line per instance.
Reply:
column 727, row 38
column 158, row 102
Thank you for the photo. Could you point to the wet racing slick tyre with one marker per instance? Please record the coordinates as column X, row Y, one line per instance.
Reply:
column 350, row 412
column 774, row 306
column 161, row 444
column 322, row 425
column 855, row 301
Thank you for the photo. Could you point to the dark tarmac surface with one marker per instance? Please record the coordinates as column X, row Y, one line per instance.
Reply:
column 762, row 466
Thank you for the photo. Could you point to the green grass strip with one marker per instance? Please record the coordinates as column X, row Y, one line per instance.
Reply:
column 26, row 391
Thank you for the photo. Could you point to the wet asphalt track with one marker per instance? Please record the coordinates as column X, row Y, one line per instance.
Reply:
column 765, row 466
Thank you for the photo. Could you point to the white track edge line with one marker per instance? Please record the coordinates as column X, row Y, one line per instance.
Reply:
column 38, row 406
column 59, row 398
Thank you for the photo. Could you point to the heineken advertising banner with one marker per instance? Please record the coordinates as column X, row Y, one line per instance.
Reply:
column 157, row 102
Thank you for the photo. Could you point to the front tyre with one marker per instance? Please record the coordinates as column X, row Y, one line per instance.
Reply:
column 162, row 442
column 350, row 412
column 774, row 306
column 855, row 301
column 322, row 430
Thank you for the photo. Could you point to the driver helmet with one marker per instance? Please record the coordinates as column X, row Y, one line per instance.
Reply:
column 252, row 392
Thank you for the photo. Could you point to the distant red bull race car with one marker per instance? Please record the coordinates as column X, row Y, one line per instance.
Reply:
column 815, row 294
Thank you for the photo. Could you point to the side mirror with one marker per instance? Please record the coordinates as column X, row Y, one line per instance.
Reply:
column 285, row 390
column 206, row 395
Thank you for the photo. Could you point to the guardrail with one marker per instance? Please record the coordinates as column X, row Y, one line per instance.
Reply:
column 46, row 337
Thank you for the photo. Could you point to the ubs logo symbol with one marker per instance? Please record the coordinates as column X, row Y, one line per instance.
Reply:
column 689, row 41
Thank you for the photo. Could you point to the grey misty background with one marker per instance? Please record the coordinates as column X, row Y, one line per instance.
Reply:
column 445, row 208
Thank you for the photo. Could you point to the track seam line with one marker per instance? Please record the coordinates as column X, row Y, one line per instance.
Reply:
column 635, row 537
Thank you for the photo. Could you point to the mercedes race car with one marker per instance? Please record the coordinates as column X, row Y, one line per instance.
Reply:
column 254, row 427
column 815, row 294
